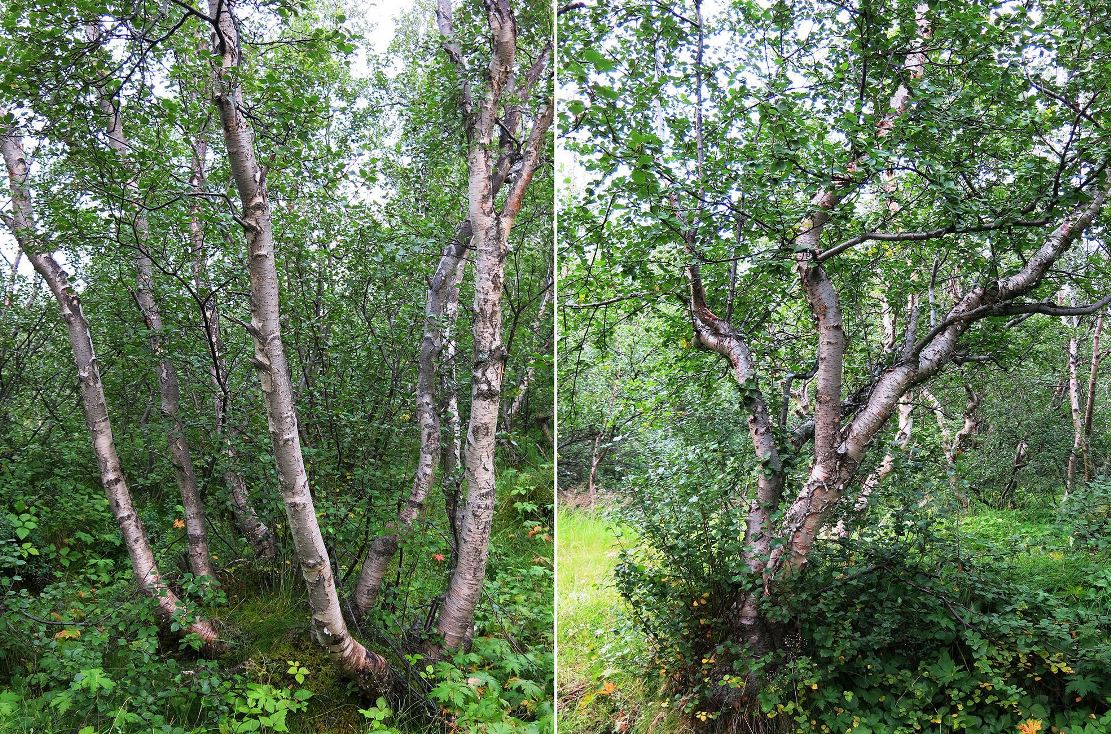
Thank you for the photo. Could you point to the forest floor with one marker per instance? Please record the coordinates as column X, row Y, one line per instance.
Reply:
column 271, row 662
column 601, row 686
column 604, row 681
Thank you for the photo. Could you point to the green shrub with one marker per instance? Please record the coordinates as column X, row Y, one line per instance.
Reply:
column 892, row 638
column 1086, row 514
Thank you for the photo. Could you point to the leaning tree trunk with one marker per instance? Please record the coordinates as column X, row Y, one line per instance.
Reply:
column 491, row 239
column 886, row 465
column 443, row 297
column 327, row 623
column 962, row 441
column 955, row 444
column 200, row 561
column 21, row 223
column 1007, row 496
column 247, row 519
column 839, row 450
column 451, row 424
column 437, row 369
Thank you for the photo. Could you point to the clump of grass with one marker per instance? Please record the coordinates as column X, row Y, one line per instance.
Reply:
column 999, row 528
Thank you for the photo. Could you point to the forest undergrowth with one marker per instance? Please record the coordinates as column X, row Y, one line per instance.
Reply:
column 998, row 623
column 80, row 649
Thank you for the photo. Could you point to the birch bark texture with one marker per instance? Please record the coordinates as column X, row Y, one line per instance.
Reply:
column 21, row 222
column 490, row 239
column 327, row 622
column 169, row 388
column 437, row 390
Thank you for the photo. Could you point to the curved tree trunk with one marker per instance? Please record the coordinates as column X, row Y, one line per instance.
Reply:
column 451, row 424
column 886, row 465
column 1007, row 496
column 962, row 440
column 21, row 223
column 327, row 623
column 438, row 354
column 491, row 239
column 200, row 561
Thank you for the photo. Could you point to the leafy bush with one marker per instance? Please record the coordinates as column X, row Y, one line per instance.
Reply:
column 1086, row 512
column 922, row 619
column 889, row 637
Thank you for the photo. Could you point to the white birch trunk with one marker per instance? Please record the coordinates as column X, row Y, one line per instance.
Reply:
column 490, row 242
column 1090, row 400
column 327, row 622
column 886, row 465
column 1074, row 407
column 247, row 519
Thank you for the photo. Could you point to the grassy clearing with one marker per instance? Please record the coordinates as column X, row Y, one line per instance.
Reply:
column 601, row 686
column 587, row 551
column 1037, row 551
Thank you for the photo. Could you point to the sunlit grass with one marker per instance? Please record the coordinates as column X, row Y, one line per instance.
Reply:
column 602, row 683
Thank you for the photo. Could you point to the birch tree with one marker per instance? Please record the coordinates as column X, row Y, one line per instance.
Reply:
column 328, row 625
column 200, row 561
column 826, row 130
column 491, row 226
column 35, row 245
column 437, row 403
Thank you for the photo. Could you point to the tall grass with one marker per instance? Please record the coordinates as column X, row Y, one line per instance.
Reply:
column 601, row 679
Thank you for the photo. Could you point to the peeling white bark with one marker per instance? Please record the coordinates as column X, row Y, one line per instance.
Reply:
column 327, row 622
column 490, row 241
column 443, row 298
column 438, row 350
